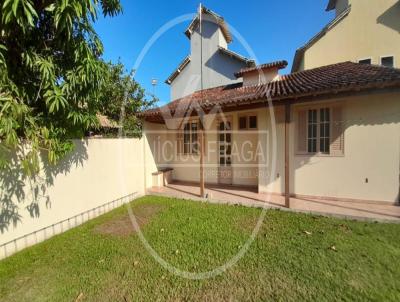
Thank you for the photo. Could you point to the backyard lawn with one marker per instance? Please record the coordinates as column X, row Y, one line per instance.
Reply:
column 294, row 256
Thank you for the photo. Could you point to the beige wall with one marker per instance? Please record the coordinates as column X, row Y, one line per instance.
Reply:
column 371, row 30
column 98, row 172
column 186, row 167
column 260, row 76
column 371, row 150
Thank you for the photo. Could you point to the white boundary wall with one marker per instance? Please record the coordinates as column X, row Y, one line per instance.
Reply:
column 100, row 175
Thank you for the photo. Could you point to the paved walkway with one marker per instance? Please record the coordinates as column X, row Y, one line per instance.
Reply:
column 237, row 195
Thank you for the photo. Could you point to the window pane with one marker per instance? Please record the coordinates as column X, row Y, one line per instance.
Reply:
column 312, row 131
column 228, row 137
column 228, row 161
column 228, row 126
column 221, row 137
column 222, row 161
column 366, row 61
column 228, row 150
column 252, row 122
column 314, row 146
column 186, row 148
column 186, row 138
column 387, row 61
column 324, row 130
column 221, row 126
column 195, row 147
column 243, row 122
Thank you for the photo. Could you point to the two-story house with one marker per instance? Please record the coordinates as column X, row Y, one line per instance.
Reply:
column 330, row 130
column 363, row 31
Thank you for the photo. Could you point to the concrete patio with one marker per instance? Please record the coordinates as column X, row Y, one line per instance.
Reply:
column 359, row 210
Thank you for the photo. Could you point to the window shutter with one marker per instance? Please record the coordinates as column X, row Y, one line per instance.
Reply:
column 179, row 141
column 302, row 131
column 337, row 137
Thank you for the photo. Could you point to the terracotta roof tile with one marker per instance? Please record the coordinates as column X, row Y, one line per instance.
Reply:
column 277, row 64
column 341, row 77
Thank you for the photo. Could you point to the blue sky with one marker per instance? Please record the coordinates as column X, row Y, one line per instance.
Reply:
column 274, row 29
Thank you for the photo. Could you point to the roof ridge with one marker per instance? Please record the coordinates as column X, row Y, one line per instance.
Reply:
column 278, row 64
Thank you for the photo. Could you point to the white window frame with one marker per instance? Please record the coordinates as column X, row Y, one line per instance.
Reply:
column 318, row 136
column 388, row 56
column 192, row 142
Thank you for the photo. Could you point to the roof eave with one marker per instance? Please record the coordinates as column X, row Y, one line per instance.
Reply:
column 300, row 52
column 220, row 20
column 237, row 56
column 178, row 70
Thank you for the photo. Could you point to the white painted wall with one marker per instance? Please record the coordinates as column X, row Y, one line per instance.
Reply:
column 98, row 172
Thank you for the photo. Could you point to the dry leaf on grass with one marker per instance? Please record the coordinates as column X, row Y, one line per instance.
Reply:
column 79, row 298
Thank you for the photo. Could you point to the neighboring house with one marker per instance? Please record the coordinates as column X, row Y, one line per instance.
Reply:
column 365, row 31
column 218, row 63
column 337, row 131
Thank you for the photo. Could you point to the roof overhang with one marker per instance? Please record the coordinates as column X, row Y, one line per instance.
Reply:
column 314, row 84
column 177, row 71
column 232, row 54
column 218, row 19
column 268, row 66
column 300, row 52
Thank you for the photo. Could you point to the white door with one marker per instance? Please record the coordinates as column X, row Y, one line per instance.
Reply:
column 225, row 152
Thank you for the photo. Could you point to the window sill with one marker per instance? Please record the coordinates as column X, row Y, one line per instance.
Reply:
column 318, row 155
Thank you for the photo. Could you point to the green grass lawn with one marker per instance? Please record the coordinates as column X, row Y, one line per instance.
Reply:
column 292, row 258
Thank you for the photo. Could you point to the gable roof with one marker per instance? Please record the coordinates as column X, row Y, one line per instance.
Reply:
column 278, row 64
column 300, row 52
column 224, row 51
column 220, row 20
column 334, row 79
column 232, row 54
column 178, row 70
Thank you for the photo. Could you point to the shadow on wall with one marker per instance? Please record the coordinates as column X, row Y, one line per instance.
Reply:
column 224, row 65
column 391, row 17
column 21, row 192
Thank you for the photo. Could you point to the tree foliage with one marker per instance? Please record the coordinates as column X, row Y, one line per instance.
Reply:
column 122, row 97
column 51, row 74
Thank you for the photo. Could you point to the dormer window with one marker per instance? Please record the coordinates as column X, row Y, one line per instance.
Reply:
column 261, row 74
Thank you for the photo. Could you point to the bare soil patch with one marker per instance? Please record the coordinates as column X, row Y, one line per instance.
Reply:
column 122, row 226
